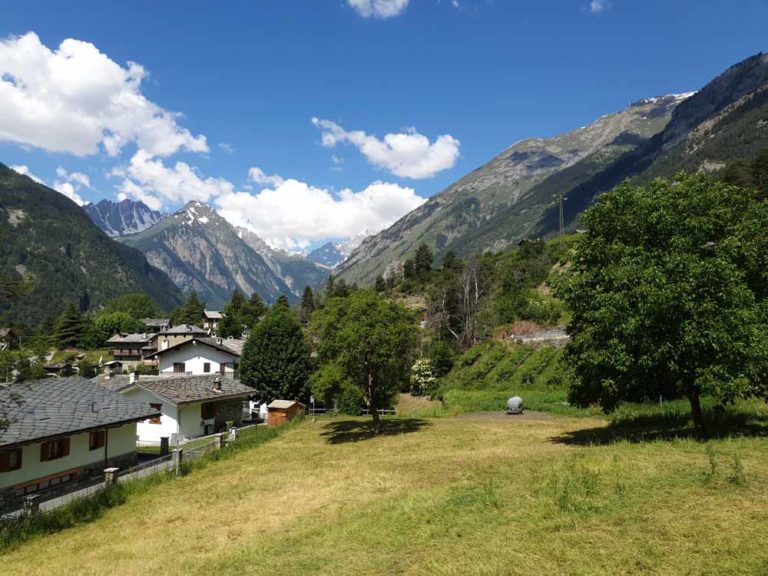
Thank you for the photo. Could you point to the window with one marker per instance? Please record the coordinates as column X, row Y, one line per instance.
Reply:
column 207, row 367
column 207, row 411
column 223, row 367
column 10, row 460
column 54, row 449
column 97, row 440
column 155, row 419
column 179, row 367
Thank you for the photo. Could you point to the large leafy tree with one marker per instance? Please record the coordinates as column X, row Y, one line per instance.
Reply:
column 275, row 358
column 368, row 341
column 668, row 295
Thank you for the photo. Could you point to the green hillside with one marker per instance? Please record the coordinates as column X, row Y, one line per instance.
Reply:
column 53, row 255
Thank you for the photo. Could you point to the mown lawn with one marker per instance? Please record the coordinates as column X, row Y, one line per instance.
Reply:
column 469, row 495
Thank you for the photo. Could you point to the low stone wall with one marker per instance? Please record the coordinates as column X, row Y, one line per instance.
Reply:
column 82, row 478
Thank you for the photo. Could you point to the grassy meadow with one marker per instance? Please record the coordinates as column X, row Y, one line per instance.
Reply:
column 470, row 495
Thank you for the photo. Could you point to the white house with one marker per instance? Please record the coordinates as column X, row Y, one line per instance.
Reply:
column 211, row 319
column 188, row 406
column 198, row 356
column 60, row 431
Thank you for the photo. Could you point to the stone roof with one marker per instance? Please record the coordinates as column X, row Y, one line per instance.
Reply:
column 186, row 389
column 211, row 342
column 156, row 322
column 131, row 338
column 40, row 409
column 184, row 329
column 235, row 344
column 212, row 314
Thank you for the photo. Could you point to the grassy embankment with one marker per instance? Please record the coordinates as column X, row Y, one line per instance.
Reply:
column 457, row 496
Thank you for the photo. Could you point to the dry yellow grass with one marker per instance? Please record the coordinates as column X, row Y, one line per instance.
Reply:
column 444, row 496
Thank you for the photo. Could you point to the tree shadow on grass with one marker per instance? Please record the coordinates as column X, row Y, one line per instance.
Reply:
column 356, row 430
column 669, row 426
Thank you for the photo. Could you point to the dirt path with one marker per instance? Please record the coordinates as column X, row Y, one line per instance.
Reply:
column 527, row 415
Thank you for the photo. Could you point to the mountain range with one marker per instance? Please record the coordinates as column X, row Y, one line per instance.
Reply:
column 517, row 194
column 201, row 251
column 122, row 218
column 55, row 252
column 53, row 255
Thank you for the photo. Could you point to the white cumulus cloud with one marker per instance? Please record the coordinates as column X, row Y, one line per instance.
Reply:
column 294, row 214
column 70, row 183
column 258, row 176
column 407, row 154
column 75, row 99
column 151, row 181
column 24, row 169
column 597, row 6
column 378, row 8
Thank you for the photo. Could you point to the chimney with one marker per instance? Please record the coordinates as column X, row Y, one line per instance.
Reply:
column 219, row 340
column 133, row 377
column 217, row 384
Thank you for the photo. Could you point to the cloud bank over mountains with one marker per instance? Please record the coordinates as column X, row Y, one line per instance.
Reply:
column 75, row 100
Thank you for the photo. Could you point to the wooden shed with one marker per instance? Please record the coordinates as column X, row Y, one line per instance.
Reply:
column 281, row 411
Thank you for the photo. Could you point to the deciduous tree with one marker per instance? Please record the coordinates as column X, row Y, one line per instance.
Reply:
column 370, row 341
column 668, row 295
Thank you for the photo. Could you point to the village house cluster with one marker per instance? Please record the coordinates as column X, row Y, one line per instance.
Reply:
column 165, row 387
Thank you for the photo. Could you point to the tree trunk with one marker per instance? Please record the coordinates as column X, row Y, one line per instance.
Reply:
column 372, row 405
column 698, row 416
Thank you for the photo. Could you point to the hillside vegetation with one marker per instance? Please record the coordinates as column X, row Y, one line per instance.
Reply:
column 442, row 496
column 53, row 256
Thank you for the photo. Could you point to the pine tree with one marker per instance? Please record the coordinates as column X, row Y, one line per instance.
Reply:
column 760, row 172
column 282, row 300
column 423, row 262
column 381, row 284
column 70, row 327
column 191, row 312
column 252, row 311
column 307, row 305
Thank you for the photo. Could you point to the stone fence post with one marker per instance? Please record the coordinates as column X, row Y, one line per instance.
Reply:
column 218, row 441
column 31, row 506
column 164, row 446
column 110, row 476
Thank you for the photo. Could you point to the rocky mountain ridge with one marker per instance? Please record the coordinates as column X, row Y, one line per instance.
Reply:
column 122, row 218
column 516, row 195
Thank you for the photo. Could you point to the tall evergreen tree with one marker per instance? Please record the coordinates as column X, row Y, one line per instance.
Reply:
column 422, row 262
column 70, row 327
column 307, row 305
column 760, row 172
column 231, row 324
column 252, row 311
column 381, row 284
column 282, row 300
column 275, row 359
column 191, row 312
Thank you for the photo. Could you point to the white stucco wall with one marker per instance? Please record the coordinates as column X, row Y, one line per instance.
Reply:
column 194, row 356
column 188, row 416
column 120, row 441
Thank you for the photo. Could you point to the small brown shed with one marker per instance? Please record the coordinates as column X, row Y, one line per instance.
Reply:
column 281, row 411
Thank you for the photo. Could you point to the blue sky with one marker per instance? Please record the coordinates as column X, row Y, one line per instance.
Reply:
column 452, row 82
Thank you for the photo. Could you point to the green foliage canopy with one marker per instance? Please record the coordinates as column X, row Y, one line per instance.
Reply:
column 668, row 295
column 370, row 341
column 275, row 358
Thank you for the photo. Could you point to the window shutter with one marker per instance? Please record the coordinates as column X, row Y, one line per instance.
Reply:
column 65, row 447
